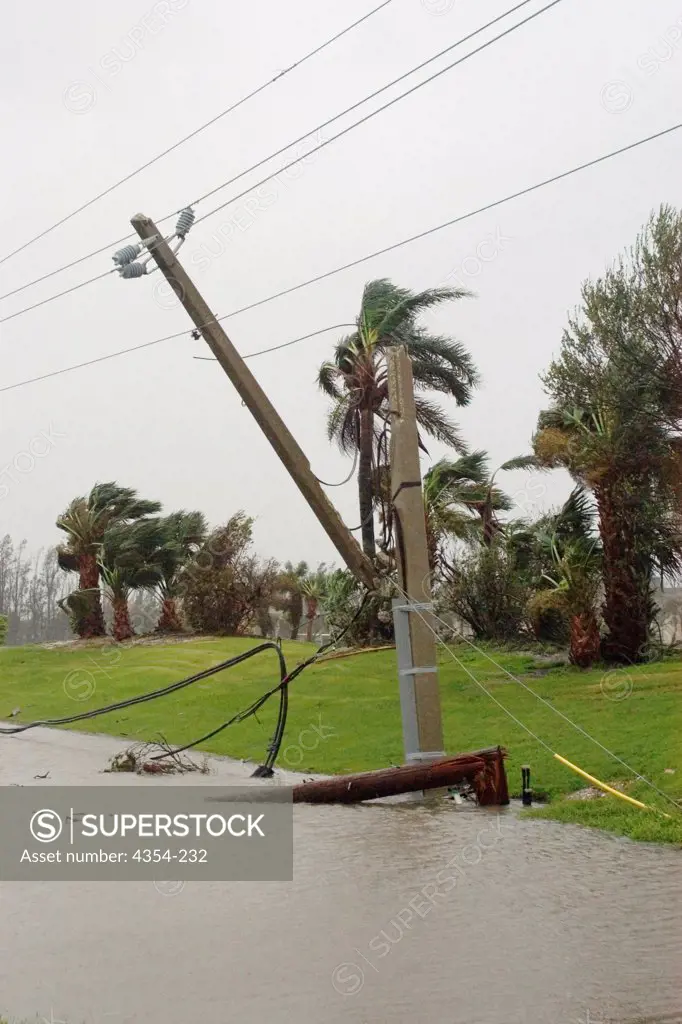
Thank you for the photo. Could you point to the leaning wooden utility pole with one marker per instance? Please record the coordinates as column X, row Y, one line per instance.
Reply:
column 256, row 400
column 412, row 612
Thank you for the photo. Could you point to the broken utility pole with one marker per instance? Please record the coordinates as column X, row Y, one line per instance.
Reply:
column 413, row 611
column 257, row 402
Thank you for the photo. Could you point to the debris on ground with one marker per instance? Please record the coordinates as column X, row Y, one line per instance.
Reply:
column 589, row 793
column 14, row 713
column 592, row 792
column 140, row 760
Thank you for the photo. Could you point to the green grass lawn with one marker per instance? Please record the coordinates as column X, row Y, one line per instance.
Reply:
column 345, row 714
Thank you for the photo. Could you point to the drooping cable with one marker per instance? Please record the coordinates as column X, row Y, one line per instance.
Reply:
column 153, row 694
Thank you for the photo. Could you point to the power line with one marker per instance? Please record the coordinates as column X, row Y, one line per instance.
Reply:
column 192, row 134
column 355, row 263
column 371, row 96
column 276, row 348
column 282, row 149
column 51, row 298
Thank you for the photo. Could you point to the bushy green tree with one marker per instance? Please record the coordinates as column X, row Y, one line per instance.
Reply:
column 614, row 424
column 226, row 584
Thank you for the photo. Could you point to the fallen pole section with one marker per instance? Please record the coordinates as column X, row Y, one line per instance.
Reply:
column 483, row 769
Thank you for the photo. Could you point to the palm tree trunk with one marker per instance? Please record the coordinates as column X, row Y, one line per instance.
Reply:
column 311, row 612
column 92, row 623
column 122, row 628
column 431, row 544
column 295, row 615
column 365, row 482
column 169, row 619
column 585, row 640
column 626, row 585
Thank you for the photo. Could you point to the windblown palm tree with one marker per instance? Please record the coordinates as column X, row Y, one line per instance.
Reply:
column 313, row 589
column 184, row 533
column 85, row 522
column 357, row 381
column 289, row 588
column 130, row 559
column 461, row 500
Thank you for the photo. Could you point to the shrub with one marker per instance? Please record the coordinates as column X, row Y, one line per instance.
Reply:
column 485, row 589
column 549, row 617
column 341, row 602
column 226, row 585
column 3, row 637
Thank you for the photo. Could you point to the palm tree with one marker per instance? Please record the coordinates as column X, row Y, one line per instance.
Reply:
column 357, row 382
column 313, row 589
column 184, row 533
column 576, row 580
column 130, row 560
column 631, row 465
column 85, row 522
column 289, row 587
column 461, row 500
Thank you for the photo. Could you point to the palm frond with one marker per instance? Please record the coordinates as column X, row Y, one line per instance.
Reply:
column 437, row 424
column 522, row 462
column 409, row 305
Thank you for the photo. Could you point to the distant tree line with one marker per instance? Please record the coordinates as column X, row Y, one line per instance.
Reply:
column 30, row 591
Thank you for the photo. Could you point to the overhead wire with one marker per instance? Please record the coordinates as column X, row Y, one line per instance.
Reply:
column 276, row 348
column 59, row 295
column 379, row 110
column 191, row 135
column 289, row 145
column 353, row 263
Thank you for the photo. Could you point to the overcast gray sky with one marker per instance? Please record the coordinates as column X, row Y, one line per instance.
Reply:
column 91, row 91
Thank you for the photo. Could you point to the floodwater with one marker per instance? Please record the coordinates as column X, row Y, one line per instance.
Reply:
column 398, row 912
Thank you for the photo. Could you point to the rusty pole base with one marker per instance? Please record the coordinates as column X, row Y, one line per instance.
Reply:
column 484, row 769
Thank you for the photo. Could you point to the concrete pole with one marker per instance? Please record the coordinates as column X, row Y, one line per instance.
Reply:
column 420, row 696
column 257, row 402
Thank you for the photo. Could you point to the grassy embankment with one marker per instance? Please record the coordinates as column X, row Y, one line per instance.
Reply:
column 345, row 716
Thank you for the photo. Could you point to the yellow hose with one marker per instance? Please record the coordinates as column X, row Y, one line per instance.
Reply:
column 607, row 789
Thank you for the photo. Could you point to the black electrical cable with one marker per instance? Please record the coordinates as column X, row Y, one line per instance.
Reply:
column 282, row 686
column 153, row 694
column 266, row 769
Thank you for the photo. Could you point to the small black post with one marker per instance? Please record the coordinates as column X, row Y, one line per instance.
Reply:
column 526, row 791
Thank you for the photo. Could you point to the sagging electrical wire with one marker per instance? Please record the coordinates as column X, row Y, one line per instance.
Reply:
column 345, row 479
column 283, row 686
column 268, row 645
column 266, row 769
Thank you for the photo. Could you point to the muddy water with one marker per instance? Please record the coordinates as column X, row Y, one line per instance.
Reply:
column 397, row 913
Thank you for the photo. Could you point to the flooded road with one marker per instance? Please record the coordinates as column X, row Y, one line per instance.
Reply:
column 397, row 913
